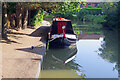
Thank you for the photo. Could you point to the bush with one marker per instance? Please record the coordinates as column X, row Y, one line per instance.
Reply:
column 88, row 11
column 95, row 18
column 38, row 18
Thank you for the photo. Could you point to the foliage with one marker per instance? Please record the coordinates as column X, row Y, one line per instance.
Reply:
column 106, row 13
column 90, row 27
column 50, row 7
column 67, row 9
column 91, row 14
column 111, row 10
column 48, row 16
column 11, row 7
column 94, row 11
column 38, row 9
column 38, row 18
column 82, row 13
column 95, row 18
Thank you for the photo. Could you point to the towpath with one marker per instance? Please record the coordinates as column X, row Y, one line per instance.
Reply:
column 19, row 60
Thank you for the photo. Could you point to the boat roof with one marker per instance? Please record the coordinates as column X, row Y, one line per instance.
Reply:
column 60, row 19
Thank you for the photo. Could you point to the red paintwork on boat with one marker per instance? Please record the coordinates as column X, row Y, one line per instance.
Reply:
column 60, row 30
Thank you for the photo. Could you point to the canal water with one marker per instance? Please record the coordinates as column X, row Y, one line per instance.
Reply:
column 93, row 56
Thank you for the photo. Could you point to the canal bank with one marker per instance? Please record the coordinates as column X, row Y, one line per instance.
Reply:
column 19, row 60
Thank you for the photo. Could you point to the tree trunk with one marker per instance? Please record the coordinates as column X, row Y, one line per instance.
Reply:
column 4, row 19
column 18, row 15
column 29, row 17
column 25, row 18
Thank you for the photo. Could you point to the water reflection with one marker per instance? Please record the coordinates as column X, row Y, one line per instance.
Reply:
column 109, row 50
column 94, row 56
column 92, row 64
column 59, row 63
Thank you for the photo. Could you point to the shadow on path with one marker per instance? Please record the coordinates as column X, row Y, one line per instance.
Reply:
column 8, row 41
column 37, row 50
column 18, row 33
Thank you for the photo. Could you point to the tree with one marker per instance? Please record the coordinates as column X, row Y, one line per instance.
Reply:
column 25, row 15
column 21, row 9
column 11, row 9
column 4, row 19
column 22, row 14
column 19, row 15
column 110, row 9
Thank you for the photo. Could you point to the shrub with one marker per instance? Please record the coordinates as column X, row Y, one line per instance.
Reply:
column 38, row 18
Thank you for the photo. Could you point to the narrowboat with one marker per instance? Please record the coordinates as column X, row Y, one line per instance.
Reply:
column 61, row 33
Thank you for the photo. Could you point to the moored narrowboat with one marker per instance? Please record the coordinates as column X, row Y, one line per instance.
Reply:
column 61, row 33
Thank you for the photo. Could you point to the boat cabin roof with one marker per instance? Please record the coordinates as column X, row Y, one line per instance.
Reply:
column 60, row 19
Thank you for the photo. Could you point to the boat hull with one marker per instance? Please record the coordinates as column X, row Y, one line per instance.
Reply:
column 61, row 42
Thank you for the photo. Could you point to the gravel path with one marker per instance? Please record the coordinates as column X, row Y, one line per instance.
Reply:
column 19, row 60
